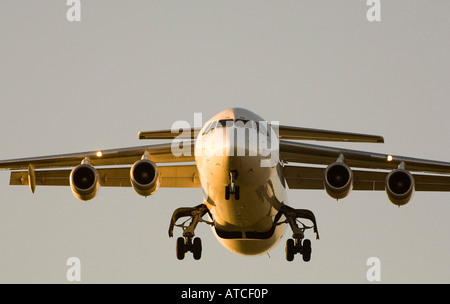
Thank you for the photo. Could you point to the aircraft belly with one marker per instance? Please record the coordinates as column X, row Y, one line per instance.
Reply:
column 251, row 247
column 245, row 225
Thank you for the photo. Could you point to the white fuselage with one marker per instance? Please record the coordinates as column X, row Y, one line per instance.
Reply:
column 243, row 221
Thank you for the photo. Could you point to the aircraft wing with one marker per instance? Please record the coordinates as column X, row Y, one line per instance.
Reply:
column 115, row 165
column 298, row 177
column 172, row 176
column 437, row 177
column 160, row 153
column 314, row 154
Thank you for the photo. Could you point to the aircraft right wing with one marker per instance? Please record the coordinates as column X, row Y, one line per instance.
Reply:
column 160, row 153
column 141, row 167
column 171, row 176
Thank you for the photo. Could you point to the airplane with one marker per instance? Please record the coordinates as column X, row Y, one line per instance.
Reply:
column 244, row 166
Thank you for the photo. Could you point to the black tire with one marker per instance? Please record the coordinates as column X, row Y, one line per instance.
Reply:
column 290, row 250
column 197, row 248
column 181, row 248
column 237, row 192
column 306, row 250
column 227, row 192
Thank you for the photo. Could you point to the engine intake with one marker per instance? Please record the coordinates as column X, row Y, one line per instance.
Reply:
column 84, row 182
column 144, row 176
column 338, row 180
column 400, row 186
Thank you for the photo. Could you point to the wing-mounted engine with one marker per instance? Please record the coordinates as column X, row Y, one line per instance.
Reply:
column 84, row 181
column 338, row 179
column 400, row 186
column 144, row 176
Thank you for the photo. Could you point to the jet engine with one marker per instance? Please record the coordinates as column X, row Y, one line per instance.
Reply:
column 84, row 182
column 400, row 186
column 144, row 176
column 338, row 180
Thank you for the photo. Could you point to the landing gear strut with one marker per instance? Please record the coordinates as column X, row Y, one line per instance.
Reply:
column 297, row 244
column 188, row 243
column 232, row 188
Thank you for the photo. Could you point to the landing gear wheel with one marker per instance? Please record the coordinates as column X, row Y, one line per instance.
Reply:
column 227, row 192
column 306, row 250
column 237, row 193
column 297, row 244
column 197, row 248
column 181, row 248
column 290, row 250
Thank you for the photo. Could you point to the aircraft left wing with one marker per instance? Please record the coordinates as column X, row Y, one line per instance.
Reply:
column 299, row 177
column 294, row 152
column 358, row 170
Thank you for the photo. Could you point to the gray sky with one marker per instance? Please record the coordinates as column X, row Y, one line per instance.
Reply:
column 131, row 66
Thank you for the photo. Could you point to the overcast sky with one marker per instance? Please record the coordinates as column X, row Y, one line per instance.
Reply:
column 131, row 66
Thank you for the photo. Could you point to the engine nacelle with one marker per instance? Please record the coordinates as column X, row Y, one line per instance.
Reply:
column 400, row 186
column 84, row 182
column 338, row 180
column 144, row 176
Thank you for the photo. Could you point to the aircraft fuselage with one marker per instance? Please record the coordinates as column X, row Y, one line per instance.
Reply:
column 241, row 188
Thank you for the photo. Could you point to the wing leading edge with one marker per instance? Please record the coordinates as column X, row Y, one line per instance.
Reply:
column 161, row 153
column 321, row 155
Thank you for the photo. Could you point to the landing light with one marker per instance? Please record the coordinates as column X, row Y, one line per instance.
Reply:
column 389, row 158
column 99, row 154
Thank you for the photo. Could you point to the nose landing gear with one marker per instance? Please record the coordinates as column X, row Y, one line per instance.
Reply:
column 232, row 188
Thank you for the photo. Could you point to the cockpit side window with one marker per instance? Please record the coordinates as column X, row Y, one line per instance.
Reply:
column 213, row 126
column 206, row 130
column 262, row 128
column 210, row 127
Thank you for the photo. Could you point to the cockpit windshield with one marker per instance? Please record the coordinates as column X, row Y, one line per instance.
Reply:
column 225, row 123
column 243, row 123
column 260, row 127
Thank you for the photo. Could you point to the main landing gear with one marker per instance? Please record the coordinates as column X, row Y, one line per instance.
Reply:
column 297, row 244
column 188, row 243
